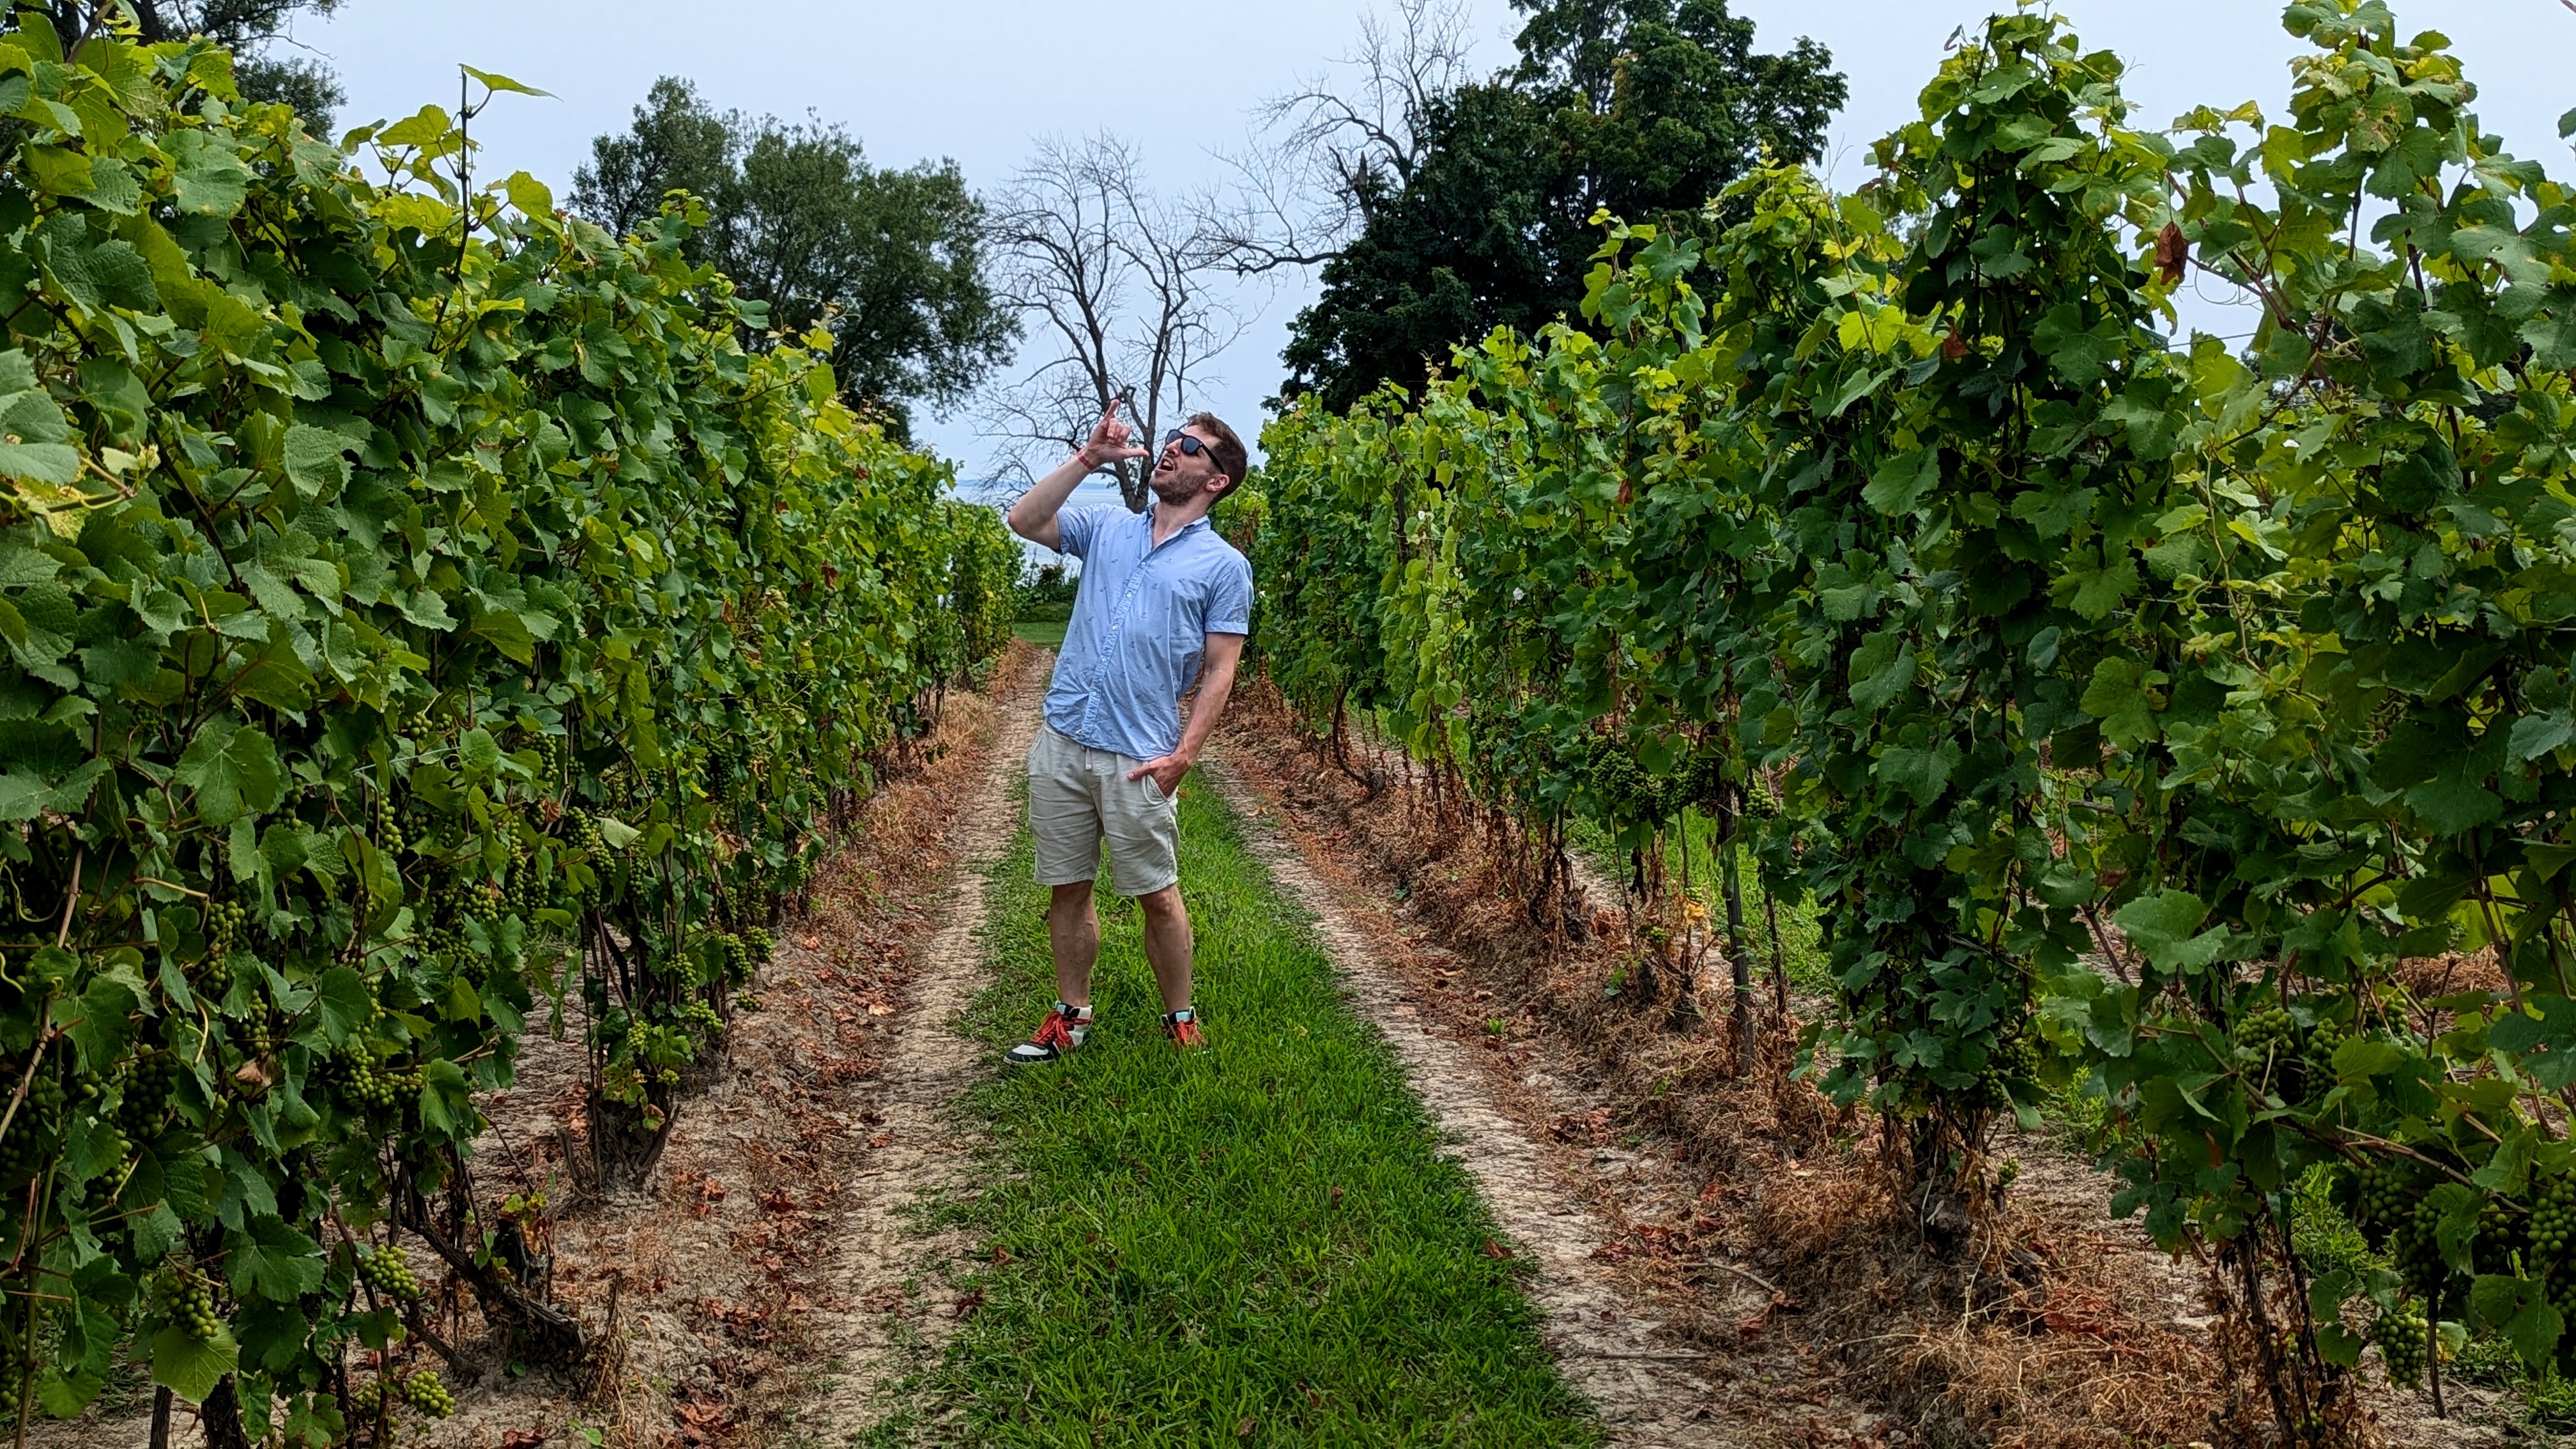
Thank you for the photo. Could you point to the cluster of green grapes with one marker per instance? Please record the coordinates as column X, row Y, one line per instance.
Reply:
column 584, row 832
column 703, row 1017
column 528, row 889
column 29, row 1143
column 639, row 1045
column 146, row 1081
column 2017, row 1059
column 2268, row 1033
column 2383, row 1198
column 1624, row 788
column 428, row 1394
column 373, row 1086
column 2294, row 1060
column 2418, row 1253
column 557, row 752
column 2503, row 1242
column 225, row 921
column 743, row 953
column 2562, row 1296
column 2401, row 1333
column 421, row 1389
column 388, row 1271
column 197, row 1309
column 389, row 831
column 2318, row 1054
column 2553, row 1215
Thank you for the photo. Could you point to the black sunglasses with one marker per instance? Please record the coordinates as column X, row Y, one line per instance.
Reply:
column 1190, row 446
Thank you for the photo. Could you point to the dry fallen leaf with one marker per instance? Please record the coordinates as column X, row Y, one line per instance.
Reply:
column 2171, row 252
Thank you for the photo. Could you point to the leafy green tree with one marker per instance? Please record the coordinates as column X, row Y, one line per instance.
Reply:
column 251, row 29
column 1647, row 107
column 891, row 262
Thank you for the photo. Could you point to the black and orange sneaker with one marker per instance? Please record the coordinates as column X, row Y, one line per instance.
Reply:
column 1062, row 1031
column 1182, row 1027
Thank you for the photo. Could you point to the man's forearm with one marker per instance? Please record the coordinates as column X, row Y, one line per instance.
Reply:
column 1215, row 683
column 1037, row 508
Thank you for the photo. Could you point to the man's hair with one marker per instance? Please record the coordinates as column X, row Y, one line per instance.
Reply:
column 1231, row 460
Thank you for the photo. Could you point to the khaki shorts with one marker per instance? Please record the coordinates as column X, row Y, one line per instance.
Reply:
column 1078, row 795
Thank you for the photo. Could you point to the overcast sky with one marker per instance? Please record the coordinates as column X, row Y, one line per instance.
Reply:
column 977, row 80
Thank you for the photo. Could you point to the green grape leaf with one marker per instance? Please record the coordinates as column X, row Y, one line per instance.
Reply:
column 346, row 1003
column 528, row 194
column 234, row 770
column 504, row 83
column 278, row 1262
column 2518, row 1308
column 191, row 1369
column 1902, row 481
column 315, row 461
column 206, row 177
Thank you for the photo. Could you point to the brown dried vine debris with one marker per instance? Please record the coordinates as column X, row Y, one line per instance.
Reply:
column 2057, row 1327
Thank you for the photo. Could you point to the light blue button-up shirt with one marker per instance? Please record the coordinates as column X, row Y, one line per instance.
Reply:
column 1141, row 617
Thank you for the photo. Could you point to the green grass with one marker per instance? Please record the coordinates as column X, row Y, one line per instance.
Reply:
column 1045, row 633
column 1260, row 1245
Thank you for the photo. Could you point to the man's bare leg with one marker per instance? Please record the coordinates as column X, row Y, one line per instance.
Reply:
column 1167, row 945
column 1073, row 932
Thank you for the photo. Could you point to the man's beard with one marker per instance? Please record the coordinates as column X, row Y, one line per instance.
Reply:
column 1172, row 488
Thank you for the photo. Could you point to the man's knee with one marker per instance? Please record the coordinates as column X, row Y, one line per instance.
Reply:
column 1072, row 899
column 1164, row 904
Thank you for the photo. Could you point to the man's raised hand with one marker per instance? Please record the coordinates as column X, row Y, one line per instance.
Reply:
column 1109, row 441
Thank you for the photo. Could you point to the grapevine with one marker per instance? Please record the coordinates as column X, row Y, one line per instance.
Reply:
column 2063, row 636
column 336, row 572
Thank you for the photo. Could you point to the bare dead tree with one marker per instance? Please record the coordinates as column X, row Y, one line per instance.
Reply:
column 1114, row 281
column 1324, row 157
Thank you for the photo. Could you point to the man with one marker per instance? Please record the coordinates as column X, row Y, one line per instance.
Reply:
column 1163, row 600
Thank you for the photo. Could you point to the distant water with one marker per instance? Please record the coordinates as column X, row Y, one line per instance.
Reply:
column 1094, row 493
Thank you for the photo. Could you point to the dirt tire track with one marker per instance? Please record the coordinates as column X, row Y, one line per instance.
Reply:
column 1651, row 1391
column 901, row 1305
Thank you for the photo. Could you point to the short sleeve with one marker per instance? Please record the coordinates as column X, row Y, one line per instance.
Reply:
column 1230, row 600
column 1076, row 528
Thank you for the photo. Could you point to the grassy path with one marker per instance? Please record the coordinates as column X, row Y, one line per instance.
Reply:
column 1262, row 1245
